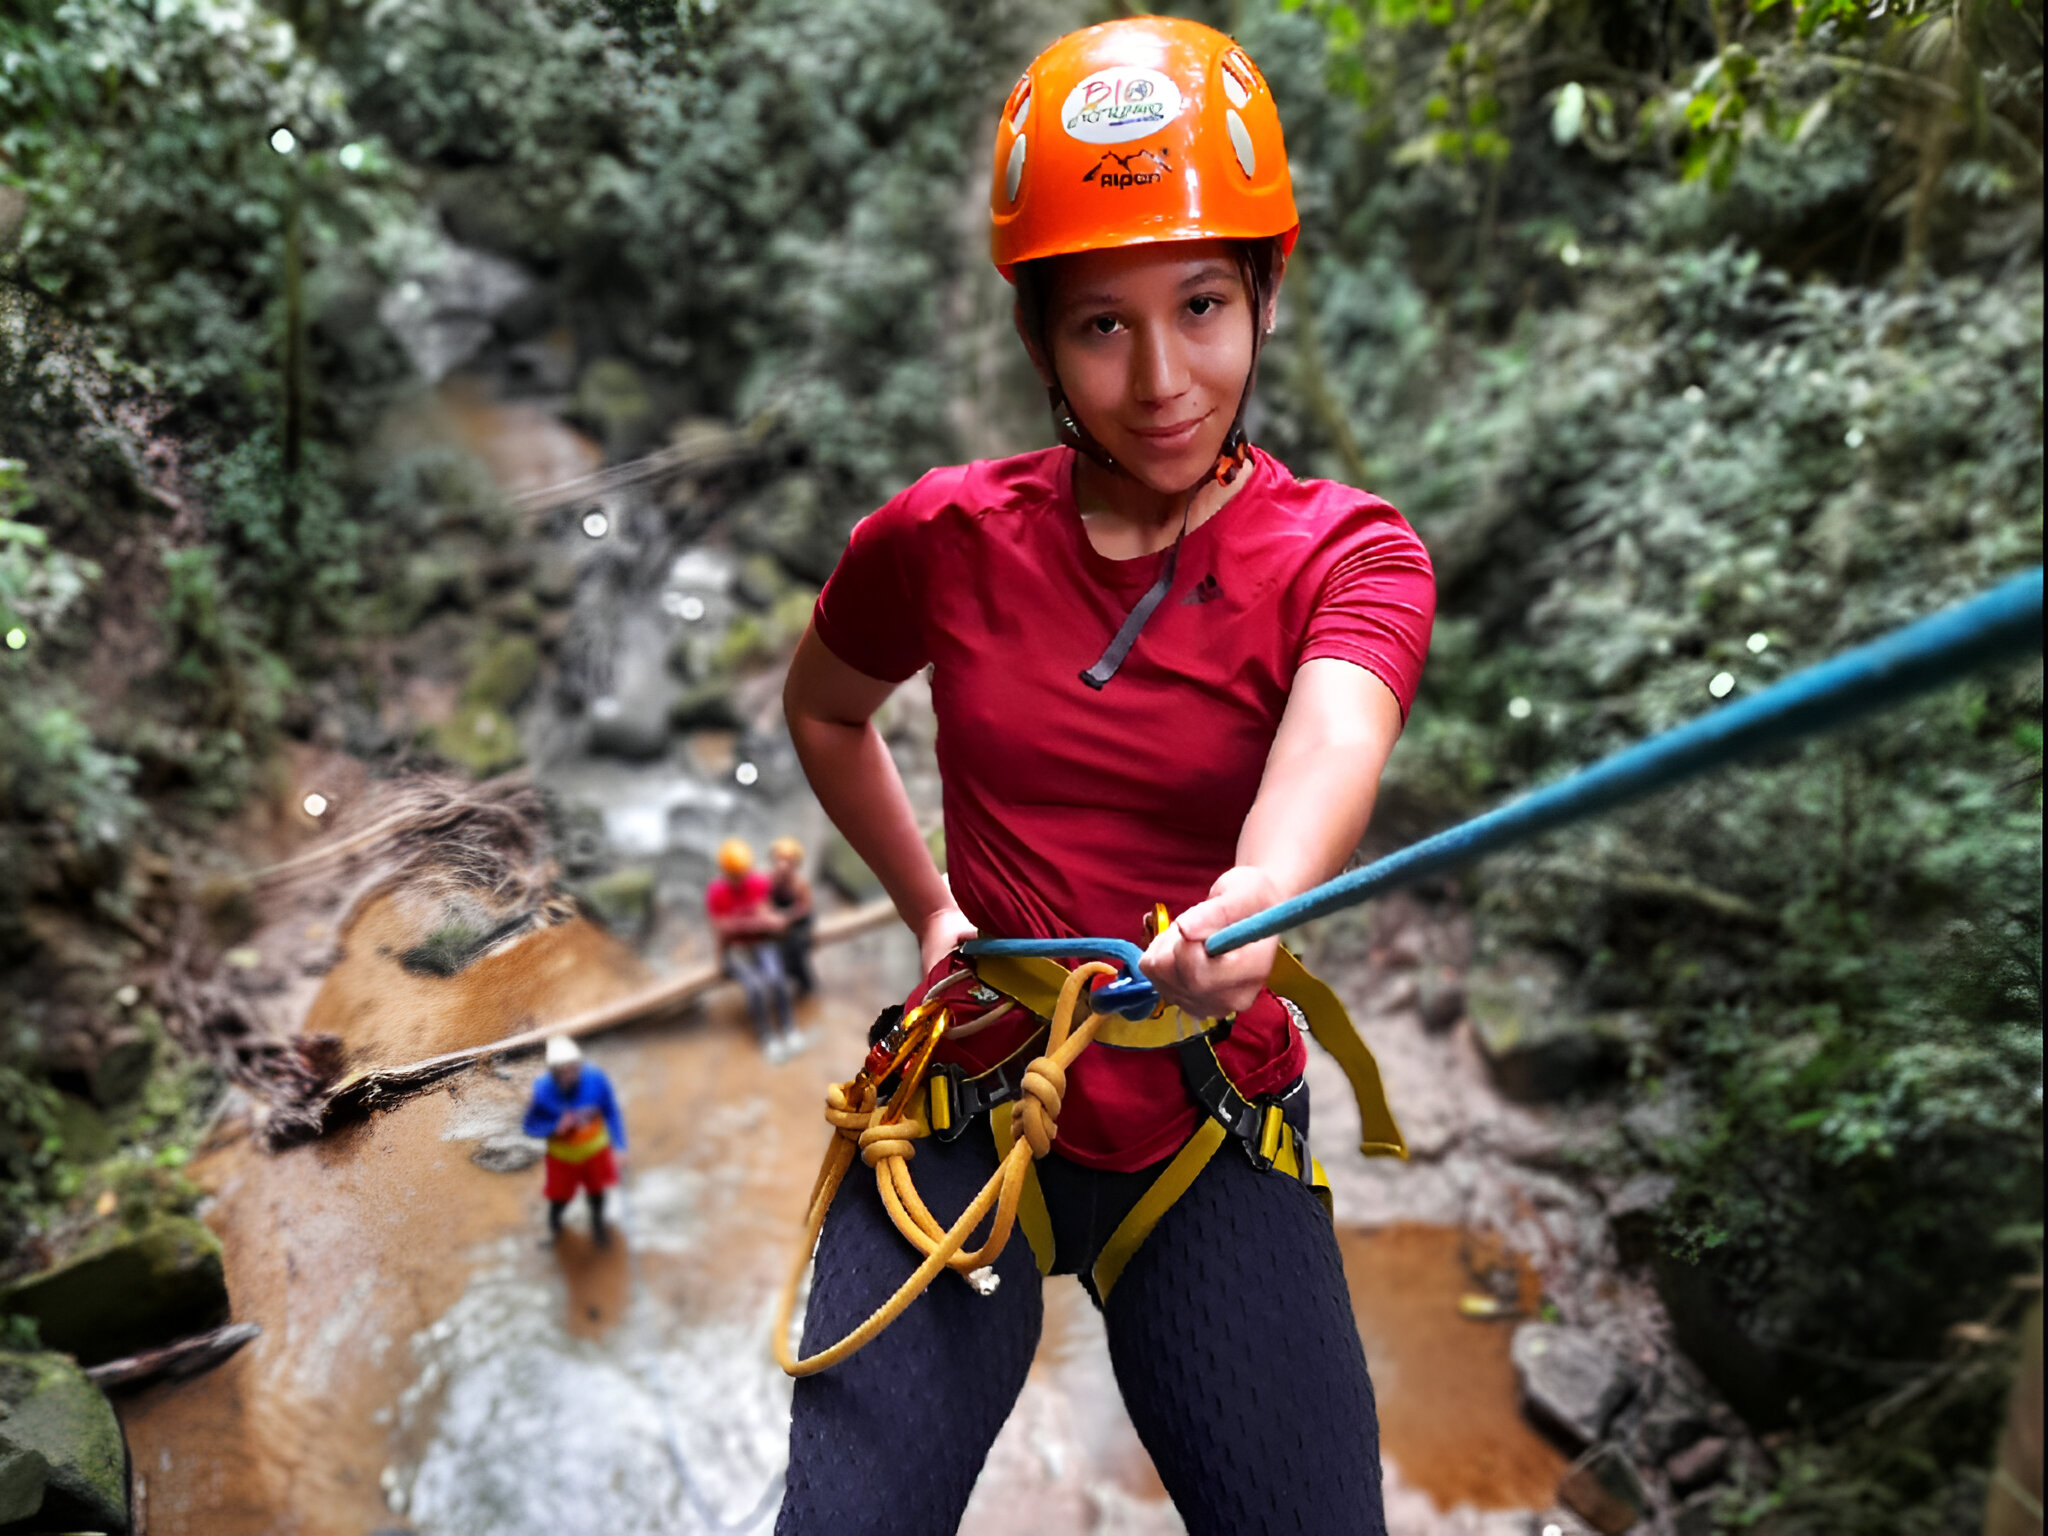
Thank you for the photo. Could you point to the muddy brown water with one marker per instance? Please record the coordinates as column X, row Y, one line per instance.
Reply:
column 426, row 1365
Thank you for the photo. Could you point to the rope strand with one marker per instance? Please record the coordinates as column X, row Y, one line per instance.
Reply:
column 860, row 1122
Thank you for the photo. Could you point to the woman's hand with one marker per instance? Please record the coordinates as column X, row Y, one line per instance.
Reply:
column 1210, row 986
column 940, row 934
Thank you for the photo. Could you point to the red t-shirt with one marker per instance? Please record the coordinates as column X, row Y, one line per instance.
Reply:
column 727, row 897
column 1070, row 811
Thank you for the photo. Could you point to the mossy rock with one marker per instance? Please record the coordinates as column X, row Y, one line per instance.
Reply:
column 82, row 1129
column 845, row 872
column 159, row 1285
column 746, row 640
column 54, row 1412
column 709, row 706
column 624, row 899
column 23, row 1472
column 760, row 580
column 504, row 673
column 1539, row 1045
column 480, row 738
column 791, row 615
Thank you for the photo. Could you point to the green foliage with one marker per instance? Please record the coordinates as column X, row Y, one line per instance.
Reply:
column 746, row 196
column 29, row 1148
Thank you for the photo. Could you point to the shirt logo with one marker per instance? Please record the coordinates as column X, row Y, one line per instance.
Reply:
column 1207, row 590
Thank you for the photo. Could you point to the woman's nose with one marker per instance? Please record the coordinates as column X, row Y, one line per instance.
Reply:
column 1159, row 366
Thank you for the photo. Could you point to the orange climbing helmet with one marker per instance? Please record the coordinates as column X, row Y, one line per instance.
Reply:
column 735, row 857
column 1138, row 130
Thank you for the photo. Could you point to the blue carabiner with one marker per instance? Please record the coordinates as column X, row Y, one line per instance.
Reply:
column 1132, row 995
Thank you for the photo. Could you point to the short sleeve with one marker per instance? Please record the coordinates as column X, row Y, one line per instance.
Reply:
column 869, row 614
column 1377, row 605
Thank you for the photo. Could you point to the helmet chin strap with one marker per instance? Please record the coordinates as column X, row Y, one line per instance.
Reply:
column 1230, row 459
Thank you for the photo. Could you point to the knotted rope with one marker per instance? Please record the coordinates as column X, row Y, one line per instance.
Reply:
column 887, row 1142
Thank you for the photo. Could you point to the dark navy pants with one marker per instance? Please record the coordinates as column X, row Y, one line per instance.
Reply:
column 1230, row 1331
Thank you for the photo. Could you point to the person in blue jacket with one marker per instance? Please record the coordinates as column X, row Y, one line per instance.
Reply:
column 575, row 1109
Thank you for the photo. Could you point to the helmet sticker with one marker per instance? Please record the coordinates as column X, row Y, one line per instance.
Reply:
column 1115, row 106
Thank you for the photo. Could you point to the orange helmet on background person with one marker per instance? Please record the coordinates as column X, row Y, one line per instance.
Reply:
column 735, row 856
column 1139, row 130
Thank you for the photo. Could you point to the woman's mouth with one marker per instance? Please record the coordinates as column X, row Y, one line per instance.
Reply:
column 1172, row 438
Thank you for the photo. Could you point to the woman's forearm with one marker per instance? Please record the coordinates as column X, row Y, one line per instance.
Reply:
column 829, row 708
column 856, row 782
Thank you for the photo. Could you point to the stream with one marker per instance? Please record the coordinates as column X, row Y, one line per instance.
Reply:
column 428, row 1365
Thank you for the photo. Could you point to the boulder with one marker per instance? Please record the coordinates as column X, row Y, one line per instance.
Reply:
column 52, row 1411
column 1537, row 1043
column 624, row 899
column 845, row 873
column 634, row 732
column 23, row 1472
column 708, row 706
column 1440, row 997
column 504, row 673
column 1603, row 1487
column 149, row 1288
column 507, row 1152
column 480, row 738
column 1571, row 1382
column 761, row 580
column 1635, row 1213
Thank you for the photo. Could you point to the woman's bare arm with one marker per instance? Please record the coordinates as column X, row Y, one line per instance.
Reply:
column 1315, row 798
column 830, row 708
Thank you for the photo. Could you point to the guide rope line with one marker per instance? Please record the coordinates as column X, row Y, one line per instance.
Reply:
column 1999, row 625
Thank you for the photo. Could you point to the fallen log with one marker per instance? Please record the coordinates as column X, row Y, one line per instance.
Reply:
column 378, row 1087
column 183, row 1357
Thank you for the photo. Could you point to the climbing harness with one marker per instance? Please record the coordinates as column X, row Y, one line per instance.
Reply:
column 902, row 1095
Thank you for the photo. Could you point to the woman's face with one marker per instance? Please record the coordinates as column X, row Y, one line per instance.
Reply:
column 1152, row 344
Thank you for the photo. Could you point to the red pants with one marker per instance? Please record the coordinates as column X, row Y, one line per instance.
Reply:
column 596, row 1173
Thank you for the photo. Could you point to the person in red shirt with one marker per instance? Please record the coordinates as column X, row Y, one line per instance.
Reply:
column 748, row 932
column 1165, row 671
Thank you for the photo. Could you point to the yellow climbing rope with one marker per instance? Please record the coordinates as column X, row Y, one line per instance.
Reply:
column 886, row 1136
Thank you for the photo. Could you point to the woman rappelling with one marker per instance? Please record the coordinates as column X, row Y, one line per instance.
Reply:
column 1167, row 676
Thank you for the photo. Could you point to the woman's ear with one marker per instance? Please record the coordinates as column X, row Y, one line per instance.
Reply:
column 1036, row 352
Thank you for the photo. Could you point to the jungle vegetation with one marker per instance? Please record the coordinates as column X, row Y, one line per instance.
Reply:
column 1699, row 338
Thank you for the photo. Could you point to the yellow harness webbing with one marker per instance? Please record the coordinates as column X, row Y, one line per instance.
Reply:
column 1035, row 984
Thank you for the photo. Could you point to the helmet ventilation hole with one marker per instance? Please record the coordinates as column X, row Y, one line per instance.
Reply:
column 1021, row 105
column 1241, row 141
column 1013, row 176
column 1237, row 83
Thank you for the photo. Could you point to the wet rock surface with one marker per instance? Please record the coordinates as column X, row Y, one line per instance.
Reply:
column 53, row 1414
column 1571, row 1382
column 146, row 1289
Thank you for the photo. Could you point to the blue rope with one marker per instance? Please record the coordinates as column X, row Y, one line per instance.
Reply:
column 2003, row 624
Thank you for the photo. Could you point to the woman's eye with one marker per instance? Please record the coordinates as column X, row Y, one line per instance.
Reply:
column 1103, row 325
column 1202, row 305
